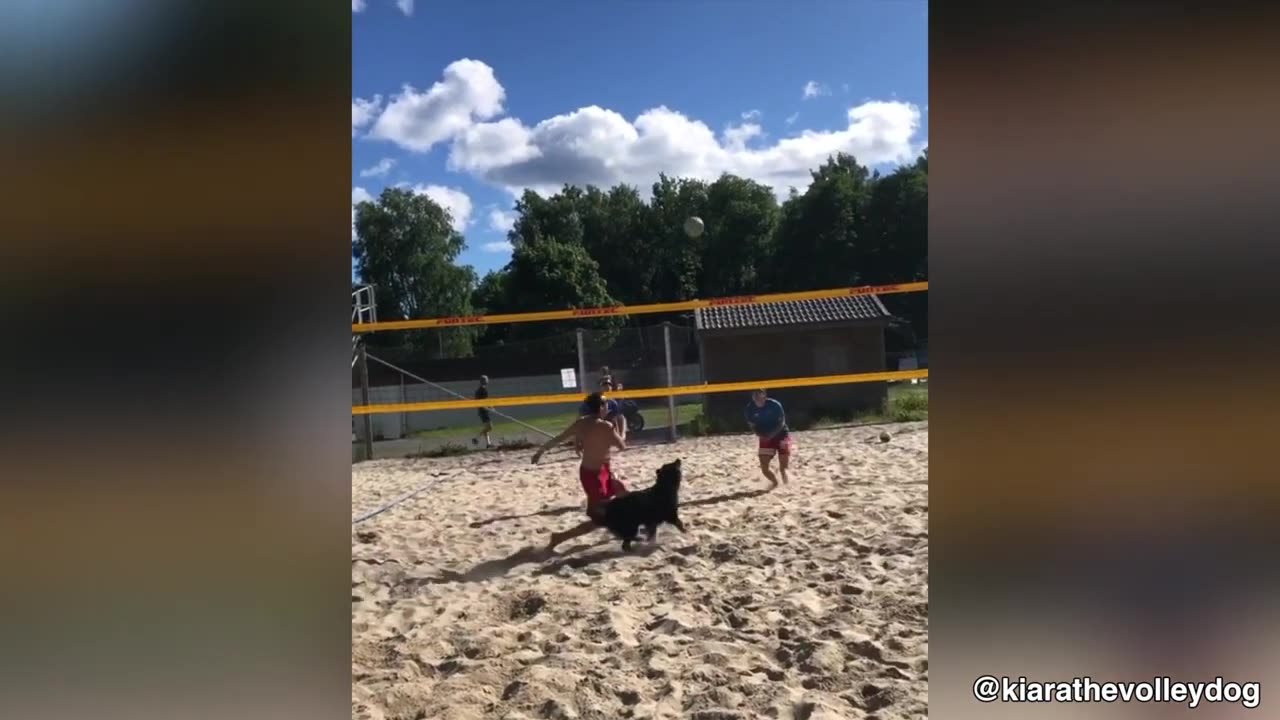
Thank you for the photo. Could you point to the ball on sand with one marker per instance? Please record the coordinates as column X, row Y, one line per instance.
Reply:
column 693, row 226
column 884, row 436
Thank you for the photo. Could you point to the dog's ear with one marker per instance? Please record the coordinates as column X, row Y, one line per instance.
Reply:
column 677, row 462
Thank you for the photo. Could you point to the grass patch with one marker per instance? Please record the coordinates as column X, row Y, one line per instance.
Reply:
column 906, row 403
column 458, row 449
column 446, row 450
column 701, row 426
column 910, row 405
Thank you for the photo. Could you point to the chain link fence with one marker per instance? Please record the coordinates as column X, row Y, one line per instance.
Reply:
column 635, row 357
column 639, row 358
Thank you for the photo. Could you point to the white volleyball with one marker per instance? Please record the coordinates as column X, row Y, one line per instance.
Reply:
column 693, row 227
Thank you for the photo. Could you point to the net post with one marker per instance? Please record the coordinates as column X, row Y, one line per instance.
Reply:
column 364, row 399
column 404, row 417
column 671, row 399
column 582, row 362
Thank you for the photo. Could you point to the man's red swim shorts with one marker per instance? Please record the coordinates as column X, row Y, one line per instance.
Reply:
column 599, row 485
column 775, row 446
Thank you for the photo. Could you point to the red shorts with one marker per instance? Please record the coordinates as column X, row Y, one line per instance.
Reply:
column 776, row 446
column 599, row 485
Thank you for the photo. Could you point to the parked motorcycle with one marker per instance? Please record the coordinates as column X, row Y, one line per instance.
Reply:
column 631, row 411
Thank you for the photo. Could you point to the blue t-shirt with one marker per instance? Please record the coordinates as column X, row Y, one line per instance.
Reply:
column 768, row 419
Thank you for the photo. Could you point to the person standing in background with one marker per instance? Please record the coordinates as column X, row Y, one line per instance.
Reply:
column 482, row 393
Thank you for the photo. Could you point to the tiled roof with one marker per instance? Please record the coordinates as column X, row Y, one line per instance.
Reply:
column 792, row 312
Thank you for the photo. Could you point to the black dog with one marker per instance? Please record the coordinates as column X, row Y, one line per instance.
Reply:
column 624, row 516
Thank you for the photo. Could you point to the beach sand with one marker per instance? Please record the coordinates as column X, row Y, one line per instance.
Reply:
column 806, row 602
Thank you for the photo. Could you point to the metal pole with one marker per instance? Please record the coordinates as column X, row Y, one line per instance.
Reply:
column 364, row 399
column 671, row 381
column 404, row 417
column 582, row 363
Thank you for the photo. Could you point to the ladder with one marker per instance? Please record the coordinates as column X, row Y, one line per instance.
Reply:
column 363, row 310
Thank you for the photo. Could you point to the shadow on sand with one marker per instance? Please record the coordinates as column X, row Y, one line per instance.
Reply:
column 556, row 512
column 729, row 497
column 491, row 569
column 568, row 557
column 641, row 549
column 551, row 512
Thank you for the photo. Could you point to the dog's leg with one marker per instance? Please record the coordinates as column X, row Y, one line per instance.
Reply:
column 651, row 531
column 629, row 535
column 675, row 520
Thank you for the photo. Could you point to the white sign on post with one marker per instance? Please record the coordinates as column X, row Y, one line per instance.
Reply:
column 568, row 377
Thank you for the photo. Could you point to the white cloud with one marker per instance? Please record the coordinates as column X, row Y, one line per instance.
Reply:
column 501, row 220
column 363, row 111
column 497, row 246
column 357, row 6
column 406, row 6
column 813, row 89
column 382, row 168
column 597, row 146
column 736, row 136
column 600, row 147
column 418, row 120
column 505, row 142
column 457, row 202
column 751, row 115
column 358, row 195
column 792, row 118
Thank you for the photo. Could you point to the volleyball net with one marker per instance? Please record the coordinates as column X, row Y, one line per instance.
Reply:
column 421, row 400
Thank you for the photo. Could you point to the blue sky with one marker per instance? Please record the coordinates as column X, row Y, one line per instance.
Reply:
column 506, row 96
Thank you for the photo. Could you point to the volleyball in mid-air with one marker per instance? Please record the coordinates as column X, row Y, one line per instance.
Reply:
column 693, row 226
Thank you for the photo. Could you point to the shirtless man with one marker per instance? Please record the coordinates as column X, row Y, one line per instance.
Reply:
column 597, row 438
column 613, row 413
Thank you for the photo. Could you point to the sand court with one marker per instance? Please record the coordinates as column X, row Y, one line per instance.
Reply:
column 807, row 602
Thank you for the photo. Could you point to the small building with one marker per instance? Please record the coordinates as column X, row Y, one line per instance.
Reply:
column 794, row 339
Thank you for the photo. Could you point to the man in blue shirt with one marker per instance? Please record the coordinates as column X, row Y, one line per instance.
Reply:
column 769, row 422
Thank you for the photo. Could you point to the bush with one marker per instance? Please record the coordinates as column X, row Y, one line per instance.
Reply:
column 446, row 450
column 702, row 425
column 699, row 426
column 909, row 406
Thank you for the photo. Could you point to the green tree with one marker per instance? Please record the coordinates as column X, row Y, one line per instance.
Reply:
column 615, row 233
column 676, row 257
column 551, row 275
column 406, row 247
column 741, row 216
column 491, row 298
column 541, row 219
column 899, row 228
column 822, row 235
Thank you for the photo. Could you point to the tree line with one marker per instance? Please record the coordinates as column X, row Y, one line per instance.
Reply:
column 590, row 247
